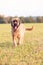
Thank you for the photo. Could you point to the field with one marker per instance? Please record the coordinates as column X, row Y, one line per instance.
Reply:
column 30, row 53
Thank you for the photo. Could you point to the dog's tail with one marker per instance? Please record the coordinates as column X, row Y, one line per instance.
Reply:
column 29, row 29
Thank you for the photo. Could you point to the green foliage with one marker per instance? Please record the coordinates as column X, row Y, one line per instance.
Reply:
column 29, row 19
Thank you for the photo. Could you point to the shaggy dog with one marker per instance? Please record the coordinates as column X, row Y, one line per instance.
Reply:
column 18, row 31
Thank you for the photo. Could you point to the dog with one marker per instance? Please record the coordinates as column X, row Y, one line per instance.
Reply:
column 18, row 31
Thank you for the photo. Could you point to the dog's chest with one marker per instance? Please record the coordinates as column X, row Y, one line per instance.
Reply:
column 20, row 31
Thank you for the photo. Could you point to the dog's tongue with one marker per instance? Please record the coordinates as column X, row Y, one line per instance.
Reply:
column 15, row 27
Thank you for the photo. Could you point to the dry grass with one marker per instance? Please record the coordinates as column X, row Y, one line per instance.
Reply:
column 30, row 53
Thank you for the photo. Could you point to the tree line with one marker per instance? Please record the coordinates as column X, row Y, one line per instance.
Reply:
column 29, row 19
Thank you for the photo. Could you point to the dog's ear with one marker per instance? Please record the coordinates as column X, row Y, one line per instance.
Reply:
column 11, row 21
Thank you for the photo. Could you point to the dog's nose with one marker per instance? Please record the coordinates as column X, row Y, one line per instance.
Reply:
column 15, row 22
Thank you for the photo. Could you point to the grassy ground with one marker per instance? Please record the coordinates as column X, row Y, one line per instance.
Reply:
column 30, row 53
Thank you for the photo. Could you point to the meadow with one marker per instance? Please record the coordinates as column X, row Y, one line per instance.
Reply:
column 29, row 53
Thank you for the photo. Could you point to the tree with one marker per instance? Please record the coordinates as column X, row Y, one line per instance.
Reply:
column 2, row 19
column 22, row 19
column 40, row 19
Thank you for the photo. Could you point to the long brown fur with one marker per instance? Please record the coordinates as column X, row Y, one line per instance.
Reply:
column 29, row 29
column 18, row 31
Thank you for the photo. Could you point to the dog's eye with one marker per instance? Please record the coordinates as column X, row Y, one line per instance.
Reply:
column 14, row 20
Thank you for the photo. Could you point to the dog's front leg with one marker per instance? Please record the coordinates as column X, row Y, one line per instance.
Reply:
column 14, row 41
column 20, row 41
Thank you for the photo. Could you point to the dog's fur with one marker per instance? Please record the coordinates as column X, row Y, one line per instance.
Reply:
column 18, row 31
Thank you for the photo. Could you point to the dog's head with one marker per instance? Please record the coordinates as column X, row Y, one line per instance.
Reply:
column 15, row 22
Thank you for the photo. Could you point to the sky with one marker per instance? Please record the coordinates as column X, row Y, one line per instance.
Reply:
column 21, row 7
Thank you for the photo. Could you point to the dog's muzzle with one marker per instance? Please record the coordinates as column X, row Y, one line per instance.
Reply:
column 15, row 25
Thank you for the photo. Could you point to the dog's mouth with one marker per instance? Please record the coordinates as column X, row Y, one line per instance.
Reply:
column 14, row 23
column 15, row 26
